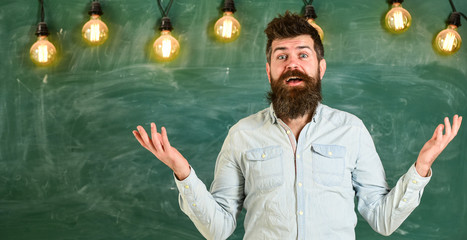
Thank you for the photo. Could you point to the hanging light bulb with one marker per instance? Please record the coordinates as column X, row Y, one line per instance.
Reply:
column 42, row 51
column 397, row 19
column 310, row 16
column 448, row 41
column 95, row 31
column 166, row 47
column 227, row 28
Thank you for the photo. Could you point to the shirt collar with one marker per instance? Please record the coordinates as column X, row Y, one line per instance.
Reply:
column 273, row 116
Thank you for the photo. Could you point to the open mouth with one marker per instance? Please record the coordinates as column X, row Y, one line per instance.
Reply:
column 293, row 80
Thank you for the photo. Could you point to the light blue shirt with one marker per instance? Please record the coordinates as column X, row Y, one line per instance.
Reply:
column 303, row 194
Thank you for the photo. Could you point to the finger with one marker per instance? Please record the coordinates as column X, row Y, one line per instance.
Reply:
column 160, row 137
column 165, row 139
column 138, row 137
column 456, row 124
column 155, row 138
column 448, row 128
column 145, row 138
column 438, row 134
column 435, row 133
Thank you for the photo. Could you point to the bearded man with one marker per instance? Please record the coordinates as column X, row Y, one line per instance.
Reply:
column 297, row 166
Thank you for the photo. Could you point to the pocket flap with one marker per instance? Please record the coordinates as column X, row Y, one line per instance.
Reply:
column 261, row 154
column 329, row 151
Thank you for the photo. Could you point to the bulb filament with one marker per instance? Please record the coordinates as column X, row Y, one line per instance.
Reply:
column 448, row 42
column 398, row 20
column 166, row 48
column 227, row 29
column 94, row 32
column 42, row 56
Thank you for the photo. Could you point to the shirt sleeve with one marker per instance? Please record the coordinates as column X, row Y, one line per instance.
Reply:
column 384, row 209
column 214, row 212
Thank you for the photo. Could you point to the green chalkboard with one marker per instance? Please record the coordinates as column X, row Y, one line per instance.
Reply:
column 70, row 167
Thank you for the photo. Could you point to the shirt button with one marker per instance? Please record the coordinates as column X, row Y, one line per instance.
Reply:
column 405, row 199
column 298, row 155
column 263, row 156
column 186, row 186
column 288, row 131
column 330, row 153
column 301, row 212
column 194, row 204
column 414, row 181
column 299, row 184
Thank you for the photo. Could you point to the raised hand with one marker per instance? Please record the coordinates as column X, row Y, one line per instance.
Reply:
column 437, row 144
column 159, row 145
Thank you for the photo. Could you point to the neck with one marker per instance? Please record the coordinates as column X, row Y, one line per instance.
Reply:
column 297, row 124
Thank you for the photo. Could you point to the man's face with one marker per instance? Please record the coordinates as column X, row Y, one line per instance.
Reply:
column 294, row 54
column 295, row 77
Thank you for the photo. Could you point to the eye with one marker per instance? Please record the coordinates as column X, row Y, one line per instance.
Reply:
column 282, row 57
column 303, row 55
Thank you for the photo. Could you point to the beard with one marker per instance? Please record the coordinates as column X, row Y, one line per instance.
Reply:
column 291, row 102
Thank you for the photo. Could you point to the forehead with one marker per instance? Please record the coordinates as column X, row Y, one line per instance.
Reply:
column 292, row 43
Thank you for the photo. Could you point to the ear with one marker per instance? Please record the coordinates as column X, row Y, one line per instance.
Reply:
column 268, row 71
column 322, row 68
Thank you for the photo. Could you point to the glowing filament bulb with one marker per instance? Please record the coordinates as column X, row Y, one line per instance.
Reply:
column 312, row 22
column 166, row 47
column 227, row 28
column 42, row 51
column 398, row 19
column 95, row 31
column 448, row 41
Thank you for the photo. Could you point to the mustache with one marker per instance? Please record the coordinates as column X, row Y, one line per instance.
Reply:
column 295, row 73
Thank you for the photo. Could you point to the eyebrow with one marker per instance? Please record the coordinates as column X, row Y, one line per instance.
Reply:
column 284, row 48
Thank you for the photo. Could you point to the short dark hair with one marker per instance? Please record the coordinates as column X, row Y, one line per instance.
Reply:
column 288, row 26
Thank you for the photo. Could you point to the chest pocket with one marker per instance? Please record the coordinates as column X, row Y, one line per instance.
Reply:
column 328, row 163
column 265, row 168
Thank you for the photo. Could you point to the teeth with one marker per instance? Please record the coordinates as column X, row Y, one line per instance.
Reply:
column 293, row 78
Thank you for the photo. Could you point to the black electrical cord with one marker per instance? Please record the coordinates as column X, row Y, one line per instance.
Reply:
column 452, row 5
column 166, row 24
column 165, row 11
column 42, row 10
column 454, row 9
column 42, row 29
column 455, row 17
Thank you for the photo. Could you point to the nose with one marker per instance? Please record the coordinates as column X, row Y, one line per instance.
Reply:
column 292, row 63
